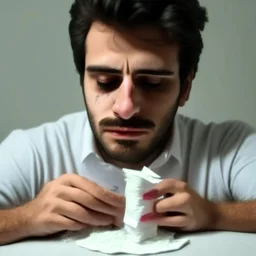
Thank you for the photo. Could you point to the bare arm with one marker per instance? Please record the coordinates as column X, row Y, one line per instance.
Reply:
column 14, row 225
column 239, row 217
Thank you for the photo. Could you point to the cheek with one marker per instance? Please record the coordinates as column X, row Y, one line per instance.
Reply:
column 157, row 112
column 157, row 108
column 100, row 106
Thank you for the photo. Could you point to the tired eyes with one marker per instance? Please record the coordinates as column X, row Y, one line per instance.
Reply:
column 110, row 85
column 143, row 83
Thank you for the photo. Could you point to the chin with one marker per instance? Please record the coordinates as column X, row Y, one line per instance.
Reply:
column 128, row 155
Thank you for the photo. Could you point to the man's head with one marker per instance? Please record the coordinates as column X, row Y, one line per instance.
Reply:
column 136, row 60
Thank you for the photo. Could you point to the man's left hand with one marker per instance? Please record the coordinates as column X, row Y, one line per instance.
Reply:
column 183, row 209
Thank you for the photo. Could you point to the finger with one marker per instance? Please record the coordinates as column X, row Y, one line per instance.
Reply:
column 119, row 218
column 176, row 203
column 81, row 197
column 180, row 221
column 95, row 190
column 61, row 223
column 168, row 186
column 78, row 213
column 165, row 187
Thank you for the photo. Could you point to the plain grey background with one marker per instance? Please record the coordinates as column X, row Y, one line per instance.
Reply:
column 38, row 82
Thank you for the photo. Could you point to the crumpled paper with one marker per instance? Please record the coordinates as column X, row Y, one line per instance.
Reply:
column 112, row 241
column 134, row 237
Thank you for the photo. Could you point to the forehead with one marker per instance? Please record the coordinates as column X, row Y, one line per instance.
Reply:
column 141, row 47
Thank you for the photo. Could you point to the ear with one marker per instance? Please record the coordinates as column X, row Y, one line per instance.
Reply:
column 185, row 93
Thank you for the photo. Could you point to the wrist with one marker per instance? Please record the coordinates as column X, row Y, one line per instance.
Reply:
column 25, row 221
column 219, row 217
column 28, row 220
column 14, row 225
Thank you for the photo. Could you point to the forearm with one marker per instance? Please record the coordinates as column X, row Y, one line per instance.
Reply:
column 240, row 217
column 14, row 225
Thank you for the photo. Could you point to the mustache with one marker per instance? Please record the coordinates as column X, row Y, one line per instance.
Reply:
column 134, row 122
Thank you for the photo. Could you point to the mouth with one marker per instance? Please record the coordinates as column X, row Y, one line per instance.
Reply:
column 126, row 133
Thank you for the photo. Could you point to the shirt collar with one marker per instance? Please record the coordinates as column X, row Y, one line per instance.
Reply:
column 172, row 148
column 88, row 142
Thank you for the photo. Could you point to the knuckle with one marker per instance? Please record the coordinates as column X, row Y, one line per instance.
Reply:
column 184, row 199
column 158, row 207
column 182, row 221
column 54, row 191
column 100, row 192
column 78, row 210
column 183, row 185
column 187, row 197
column 69, row 224
column 89, row 200
column 77, row 194
column 186, row 222
column 46, row 187
column 49, row 206
column 102, row 220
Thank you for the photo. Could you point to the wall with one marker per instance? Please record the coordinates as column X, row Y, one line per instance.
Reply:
column 38, row 82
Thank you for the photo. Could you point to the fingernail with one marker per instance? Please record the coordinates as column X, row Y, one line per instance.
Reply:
column 152, row 194
column 148, row 216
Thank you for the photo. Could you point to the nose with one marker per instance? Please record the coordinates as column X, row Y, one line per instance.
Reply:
column 126, row 103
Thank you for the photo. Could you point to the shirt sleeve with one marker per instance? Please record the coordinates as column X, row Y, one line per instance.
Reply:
column 242, row 176
column 17, row 162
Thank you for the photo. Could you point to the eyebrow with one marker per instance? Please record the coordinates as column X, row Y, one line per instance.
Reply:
column 154, row 72
column 109, row 70
column 103, row 69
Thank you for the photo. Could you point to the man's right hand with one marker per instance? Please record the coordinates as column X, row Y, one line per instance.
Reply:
column 72, row 202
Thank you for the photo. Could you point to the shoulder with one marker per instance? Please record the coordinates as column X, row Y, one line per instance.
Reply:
column 221, row 135
column 58, row 131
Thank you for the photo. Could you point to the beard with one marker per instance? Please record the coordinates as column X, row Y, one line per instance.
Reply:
column 129, row 152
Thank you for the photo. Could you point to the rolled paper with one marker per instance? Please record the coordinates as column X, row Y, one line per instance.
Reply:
column 137, row 183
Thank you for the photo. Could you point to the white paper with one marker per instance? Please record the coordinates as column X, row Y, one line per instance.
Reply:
column 137, row 183
column 134, row 237
column 117, row 241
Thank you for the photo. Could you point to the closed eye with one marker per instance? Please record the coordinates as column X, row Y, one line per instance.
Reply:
column 109, row 86
column 146, row 83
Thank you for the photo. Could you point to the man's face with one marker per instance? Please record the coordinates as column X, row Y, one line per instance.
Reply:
column 132, row 91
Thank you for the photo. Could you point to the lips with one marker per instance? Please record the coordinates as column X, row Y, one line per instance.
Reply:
column 125, row 129
column 126, row 132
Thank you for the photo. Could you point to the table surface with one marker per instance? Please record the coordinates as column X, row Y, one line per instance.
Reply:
column 201, row 244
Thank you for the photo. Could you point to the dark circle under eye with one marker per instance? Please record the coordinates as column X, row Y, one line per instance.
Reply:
column 109, row 85
column 148, row 82
column 153, row 80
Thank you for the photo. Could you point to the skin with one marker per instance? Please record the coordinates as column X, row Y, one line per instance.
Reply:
column 124, row 53
column 191, row 212
column 128, row 93
column 114, row 50
column 71, row 202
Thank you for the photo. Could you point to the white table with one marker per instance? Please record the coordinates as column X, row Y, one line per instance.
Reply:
column 201, row 244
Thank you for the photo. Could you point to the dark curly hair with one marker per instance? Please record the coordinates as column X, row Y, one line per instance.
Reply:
column 181, row 20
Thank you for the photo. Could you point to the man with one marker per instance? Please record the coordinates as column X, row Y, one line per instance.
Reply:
column 136, row 61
